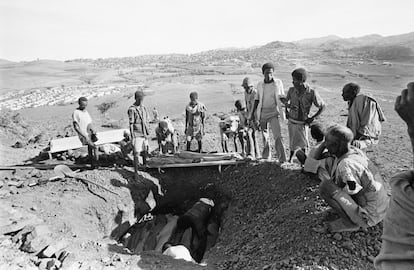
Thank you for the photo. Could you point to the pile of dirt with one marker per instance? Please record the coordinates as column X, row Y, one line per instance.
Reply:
column 275, row 220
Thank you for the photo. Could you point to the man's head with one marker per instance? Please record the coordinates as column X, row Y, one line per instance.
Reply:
column 350, row 91
column 163, row 125
column 267, row 70
column 338, row 139
column 193, row 97
column 83, row 102
column 247, row 85
column 317, row 132
column 299, row 77
column 239, row 105
column 139, row 97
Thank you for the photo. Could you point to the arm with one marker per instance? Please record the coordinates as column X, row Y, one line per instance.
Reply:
column 320, row 104
column 186, row 120
column 404, row 105
column 77, row 129
column 131, row 123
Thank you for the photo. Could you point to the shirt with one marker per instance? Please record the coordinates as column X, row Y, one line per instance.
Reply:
column 365, row 117
column 138, row 118
column 301, row 103
column 275, row 86
column 250, row 98
column 354, row 173
column 83, row 119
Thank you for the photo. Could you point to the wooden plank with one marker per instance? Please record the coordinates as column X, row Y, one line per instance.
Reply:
column 198, row 164
column 68, row 143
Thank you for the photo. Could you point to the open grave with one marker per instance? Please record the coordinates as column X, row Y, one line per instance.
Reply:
column 265, row 217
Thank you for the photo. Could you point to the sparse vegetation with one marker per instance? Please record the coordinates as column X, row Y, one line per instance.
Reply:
column 104, row 107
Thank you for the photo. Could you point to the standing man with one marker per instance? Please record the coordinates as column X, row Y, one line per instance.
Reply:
column 269, row 110
column 249, row 97
column 82, row 123
column 299, row 101
column 364, row 116
column 138, row 126
column 195, row 113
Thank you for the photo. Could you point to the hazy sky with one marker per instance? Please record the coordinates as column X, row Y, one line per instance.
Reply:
column 67, row 29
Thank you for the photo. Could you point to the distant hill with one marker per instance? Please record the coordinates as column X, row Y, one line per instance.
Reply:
column 317, row 41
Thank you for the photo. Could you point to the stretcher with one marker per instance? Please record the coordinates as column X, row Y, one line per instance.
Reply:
column 69, row 143
column 218, row 163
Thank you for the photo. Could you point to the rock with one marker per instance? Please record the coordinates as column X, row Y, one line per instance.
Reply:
column 1, row 183
column 37, row 239
column 49, row 264
column 348, row 245
column 17, row 184
column 19, row 144
column 13, row 190
column 337, row 236
column 33, row 182
column 371, row 258
column 363, row 253
column 53, row 249
column 63, row 255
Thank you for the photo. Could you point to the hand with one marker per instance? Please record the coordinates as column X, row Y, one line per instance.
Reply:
column 309, row 120
column 357, row 144
column 404, row 105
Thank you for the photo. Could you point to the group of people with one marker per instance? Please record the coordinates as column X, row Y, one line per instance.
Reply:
column 350, row 182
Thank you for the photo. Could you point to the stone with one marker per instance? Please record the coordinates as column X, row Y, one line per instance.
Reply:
column 337, row 236
column 371, row 258
column 1, row 183
column 13, row 183
column 37, row 239
column 33, row 182
column 348, row 245
column 54, row 249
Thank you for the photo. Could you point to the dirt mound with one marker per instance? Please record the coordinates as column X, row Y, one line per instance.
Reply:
column 271, row 222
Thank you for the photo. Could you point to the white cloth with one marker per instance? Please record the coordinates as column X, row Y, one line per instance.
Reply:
column 179, row 252
column 277, row 87
column 83, row 119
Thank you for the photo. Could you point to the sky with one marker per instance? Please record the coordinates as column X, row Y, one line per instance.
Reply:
column 69, row 29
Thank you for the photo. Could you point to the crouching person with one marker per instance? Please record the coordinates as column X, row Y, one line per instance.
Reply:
column 166, row 136
column 355, row 189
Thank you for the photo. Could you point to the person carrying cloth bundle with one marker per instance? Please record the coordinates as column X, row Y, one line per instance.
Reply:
column 298, row 102
column 195, row 113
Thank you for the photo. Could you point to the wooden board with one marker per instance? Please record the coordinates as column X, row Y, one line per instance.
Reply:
column 197, row 164
column 68, row 143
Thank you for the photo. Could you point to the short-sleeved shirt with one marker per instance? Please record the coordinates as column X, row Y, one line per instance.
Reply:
column 354, row 173
column 138, row 118
column 250, row 98
column 83, row 119
column 302, row 103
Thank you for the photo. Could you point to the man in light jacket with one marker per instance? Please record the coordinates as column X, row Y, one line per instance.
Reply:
column 268, row 110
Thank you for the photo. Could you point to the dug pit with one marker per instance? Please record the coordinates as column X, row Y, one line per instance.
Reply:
column 180, row 209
